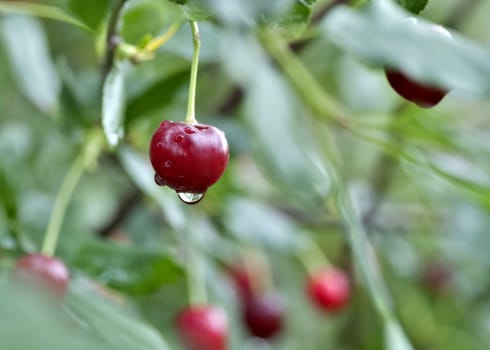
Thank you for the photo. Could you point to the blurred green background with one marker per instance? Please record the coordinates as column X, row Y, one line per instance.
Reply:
column 418, row 179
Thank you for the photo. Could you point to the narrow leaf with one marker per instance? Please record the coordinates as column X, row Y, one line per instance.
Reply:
column 118, row 328
column 33, row 69
column 113, row 105
column 127, row 269
column 39, row 10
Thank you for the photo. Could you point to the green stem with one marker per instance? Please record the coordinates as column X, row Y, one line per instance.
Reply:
column 62, row 199
column 310, row 90
column 313, row 258
column 190, row 117
column 196, row 276
column 89, row 153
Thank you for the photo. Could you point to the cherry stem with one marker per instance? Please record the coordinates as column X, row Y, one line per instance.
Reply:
column 86, row 157
column 313, row 258
column 190, row 117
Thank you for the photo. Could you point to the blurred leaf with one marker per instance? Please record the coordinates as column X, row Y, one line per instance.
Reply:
column 118, row 328
column 147, row 17
column 414, row 48
column 296, row 20
column 8, row 195
column 39, row 10
column 91, row 12
column 157, row 96
column 395, row 338
column 195, row 11
column 29, row 56
column 113, row 104
column 141, row 172
column 35, row 322
column 414, row 6
column 254, row 222
column 283, row 142
column 128, row 269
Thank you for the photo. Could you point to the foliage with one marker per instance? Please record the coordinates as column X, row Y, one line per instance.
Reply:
column 325, row 159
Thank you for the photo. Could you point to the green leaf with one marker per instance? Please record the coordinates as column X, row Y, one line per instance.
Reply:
column 395, row 338
column 296, row 21
column 34, row 314
column 282, row 141
column 128, row 269
column 194, row 10
column 31, row 63
column 39, row 10
column 381, row 34
column 114, row 324
column 414, row 6
column 113, row 105
column 254, row 222
column 90, row 12
column 141, row 172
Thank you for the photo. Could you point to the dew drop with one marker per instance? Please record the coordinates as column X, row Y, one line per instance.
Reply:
column 159, row 180
column 189, row 197
column 167, row 164
column 189, row 130
column 178, row 138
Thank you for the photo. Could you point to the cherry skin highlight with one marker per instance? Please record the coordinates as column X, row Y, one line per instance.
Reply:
column 188, row 158
column 44, row 271
column 264, row 315
column 203, row 327
column 329, row 289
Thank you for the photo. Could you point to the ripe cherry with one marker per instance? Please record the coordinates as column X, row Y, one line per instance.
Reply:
column 329, row 289
column 188, row 158
column 48, row 272
column 424, row 95
column 264, row 315
column 242, row 280
column 437, row 276
column 203, row 327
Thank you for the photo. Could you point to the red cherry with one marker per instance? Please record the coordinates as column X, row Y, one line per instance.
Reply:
column 203, row 328
column 264, row 315
column 423, row 95
column 329, row 289
column 47, row 272
column 437, row 276
column 242, row 281
column 188, row 157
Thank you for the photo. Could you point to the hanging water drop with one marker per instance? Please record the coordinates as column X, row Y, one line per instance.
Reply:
column 189, row 197
column 159, row 180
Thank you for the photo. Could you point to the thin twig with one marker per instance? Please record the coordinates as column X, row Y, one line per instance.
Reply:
column 111, row 37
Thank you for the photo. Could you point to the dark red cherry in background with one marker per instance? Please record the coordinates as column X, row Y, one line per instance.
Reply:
column 423, row 95
column 264, row 315
column 243, row 281
column 188, row 158
column 437, row 276
column 329, row 289
column 44, row 271
column 203, row 327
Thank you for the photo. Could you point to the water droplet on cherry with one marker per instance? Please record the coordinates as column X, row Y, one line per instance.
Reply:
column 159, row 180
column 189, row 130
column 178, row 138
column 167, row 164
column 189, row 197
